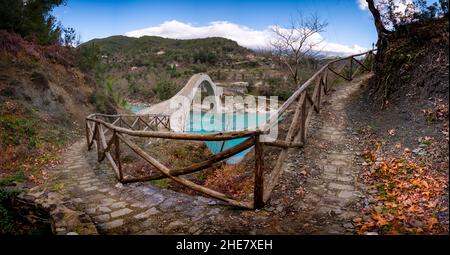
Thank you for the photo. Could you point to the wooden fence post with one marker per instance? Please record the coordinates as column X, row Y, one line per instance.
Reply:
column 319, row 94
column 117, row 152
column 350, row 73
column 97, row 141
column 87, row 135
column 372, row 60
column 259, row 174
column 303, row 121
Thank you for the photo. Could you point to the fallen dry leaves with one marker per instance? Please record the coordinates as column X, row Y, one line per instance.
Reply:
column 407, row 193
column 230, row 180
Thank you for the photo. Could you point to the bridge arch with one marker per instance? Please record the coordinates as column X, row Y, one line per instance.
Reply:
column 179, row 105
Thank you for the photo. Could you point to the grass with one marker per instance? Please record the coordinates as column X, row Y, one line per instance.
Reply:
column 47, row 157
column 19, row 176
column 426, row 142
column 28, row 144
column 17, row 130
column 162, row 183
column 57, row 186
column 6, row 216
column 26, row 140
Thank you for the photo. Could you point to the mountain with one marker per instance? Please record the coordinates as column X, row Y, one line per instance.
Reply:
column 135, row 66
column 175, row 50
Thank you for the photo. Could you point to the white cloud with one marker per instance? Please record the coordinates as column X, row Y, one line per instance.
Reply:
column 362, row 4
column 243, row 35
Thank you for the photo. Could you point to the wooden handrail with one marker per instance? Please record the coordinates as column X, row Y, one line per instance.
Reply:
column 303, row 87
column 202, row 165
column 213, row 136
column 163, row 169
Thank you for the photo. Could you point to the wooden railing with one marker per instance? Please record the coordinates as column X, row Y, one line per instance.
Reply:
column 108, row 131
column 305, row 104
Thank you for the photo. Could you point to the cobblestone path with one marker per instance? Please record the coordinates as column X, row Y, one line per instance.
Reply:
column 332, row 193
column 136, row 208
column 317, row 194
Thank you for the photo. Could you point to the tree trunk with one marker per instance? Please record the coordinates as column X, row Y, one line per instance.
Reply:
column 381, row 30
column 382, row 34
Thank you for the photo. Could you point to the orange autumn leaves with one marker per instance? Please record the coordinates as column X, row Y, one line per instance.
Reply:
column 407, row 195
column 231, row 180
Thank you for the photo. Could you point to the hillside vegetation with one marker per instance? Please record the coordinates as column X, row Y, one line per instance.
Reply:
column 44, row 98
column 402, row 118
column 153, row 67
column 150, row 68
column 414, row 66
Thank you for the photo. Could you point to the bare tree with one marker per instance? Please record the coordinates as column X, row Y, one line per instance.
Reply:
column 390, row 14
column 381, row 30
column 291, row 45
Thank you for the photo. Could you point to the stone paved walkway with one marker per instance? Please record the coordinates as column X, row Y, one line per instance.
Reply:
column 323, row 198
column 136, row 208
column 332, row 191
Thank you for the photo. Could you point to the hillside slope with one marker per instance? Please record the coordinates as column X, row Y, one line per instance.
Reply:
column 409, row 91
column 158, row 51
column 414, row 66
column 44, row 99
column 402, row 121
column 135, row 66
column 45, row 78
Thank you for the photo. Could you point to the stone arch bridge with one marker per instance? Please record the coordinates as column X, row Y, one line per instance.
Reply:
column 178, row 106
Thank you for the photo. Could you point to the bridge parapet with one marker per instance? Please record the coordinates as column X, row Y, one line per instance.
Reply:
column 178, row 106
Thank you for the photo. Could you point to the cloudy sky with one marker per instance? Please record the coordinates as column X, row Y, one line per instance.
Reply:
column 248, row 22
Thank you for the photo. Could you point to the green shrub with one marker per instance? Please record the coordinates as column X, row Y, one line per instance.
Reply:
column 163, row 183
column 276, row 86
column 347, row 72
column 6, row 217
column 16, row 130
column 165, row 89
column 18, row 177
column 89, row 58
column 204, row 57
column 103, row 102
column 172, row 71
column 199, row 68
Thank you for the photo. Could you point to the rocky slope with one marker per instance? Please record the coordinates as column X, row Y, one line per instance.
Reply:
column 44, row 98
column 45, row 79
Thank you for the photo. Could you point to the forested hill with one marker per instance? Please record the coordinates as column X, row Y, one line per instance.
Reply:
column 155, row 51
column 153, row 68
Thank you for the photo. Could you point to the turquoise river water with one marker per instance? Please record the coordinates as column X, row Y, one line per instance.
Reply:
column 207, row 122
